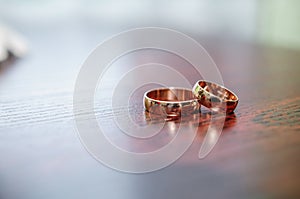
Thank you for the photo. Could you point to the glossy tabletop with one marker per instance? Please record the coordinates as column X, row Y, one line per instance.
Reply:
column 41, row 156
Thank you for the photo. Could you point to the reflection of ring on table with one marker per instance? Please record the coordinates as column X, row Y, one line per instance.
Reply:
column 212, row 95
column 171, row 102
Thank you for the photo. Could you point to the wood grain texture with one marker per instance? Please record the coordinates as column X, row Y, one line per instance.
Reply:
column 41, row 156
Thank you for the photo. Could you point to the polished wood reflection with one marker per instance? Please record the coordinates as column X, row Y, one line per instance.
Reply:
column 257, row 155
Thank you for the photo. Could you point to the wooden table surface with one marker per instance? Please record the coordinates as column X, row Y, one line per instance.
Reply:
column 41, row 156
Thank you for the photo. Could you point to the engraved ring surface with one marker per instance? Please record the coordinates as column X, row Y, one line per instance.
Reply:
column 215, row 96
column 171, row 102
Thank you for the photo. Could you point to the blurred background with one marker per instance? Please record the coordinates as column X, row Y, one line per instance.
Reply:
column 67, row 30
column 273, row 22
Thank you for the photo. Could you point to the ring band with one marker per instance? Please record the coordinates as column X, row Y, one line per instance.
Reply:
column 172, row 102
column 209, row 93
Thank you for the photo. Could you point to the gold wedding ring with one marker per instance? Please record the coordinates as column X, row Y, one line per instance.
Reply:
column 174, row 102
column 171, row 102
column 215, row 96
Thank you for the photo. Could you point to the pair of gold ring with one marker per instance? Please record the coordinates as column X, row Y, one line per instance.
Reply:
column 180, row 101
